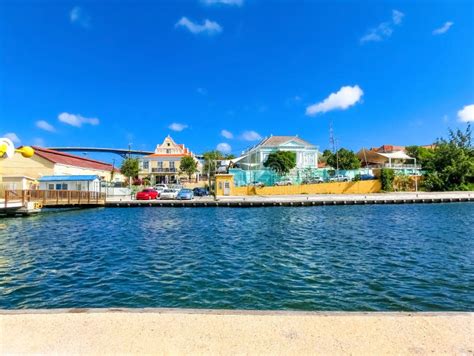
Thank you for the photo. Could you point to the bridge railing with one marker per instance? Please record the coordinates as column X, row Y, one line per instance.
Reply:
column 54, row 197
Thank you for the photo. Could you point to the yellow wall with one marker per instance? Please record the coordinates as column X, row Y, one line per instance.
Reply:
column 37, row 166
column 360, row 187
column 34, row 167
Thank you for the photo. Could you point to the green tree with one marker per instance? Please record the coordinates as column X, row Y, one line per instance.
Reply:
column 452, row 165
column 282, row 162
column 188, row 165
column 343, row 159
column 423, row 155
column 229, row 156
column 387, row 177
column 210, row 158
column 130, row 167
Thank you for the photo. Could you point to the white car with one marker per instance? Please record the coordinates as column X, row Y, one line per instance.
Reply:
column 284, row 182
column 160, row 187
column 339, row 178
column 169, row 194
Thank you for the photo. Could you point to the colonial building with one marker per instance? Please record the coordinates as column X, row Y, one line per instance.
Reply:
column 163, row 166
column 254, row 157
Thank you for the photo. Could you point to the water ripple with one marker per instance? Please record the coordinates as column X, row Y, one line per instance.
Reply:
column 416, row 257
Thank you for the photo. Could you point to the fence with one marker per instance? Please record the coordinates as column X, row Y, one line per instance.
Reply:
column 54, row 197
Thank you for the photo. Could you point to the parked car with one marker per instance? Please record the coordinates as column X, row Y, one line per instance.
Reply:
column 169, row 194
column 148, row 194
column 256, row 184
column 314, row 180
column 339, row 178
column 283, row 182
column 185, row 194
column 160, row 187
column 200, row 192
column 367, row 177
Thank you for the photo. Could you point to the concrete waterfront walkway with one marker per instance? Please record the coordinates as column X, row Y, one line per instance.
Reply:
column 181, row 331
column 302, row 200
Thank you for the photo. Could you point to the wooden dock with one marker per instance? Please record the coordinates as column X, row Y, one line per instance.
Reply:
column 26, row 202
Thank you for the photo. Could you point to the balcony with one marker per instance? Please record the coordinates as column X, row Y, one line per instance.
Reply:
column 164, row 170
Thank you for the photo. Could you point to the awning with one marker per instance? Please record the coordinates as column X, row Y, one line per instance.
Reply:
column 396, row 155
column 75, row 178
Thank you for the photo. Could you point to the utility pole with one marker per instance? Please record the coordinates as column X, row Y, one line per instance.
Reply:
column 333, row 143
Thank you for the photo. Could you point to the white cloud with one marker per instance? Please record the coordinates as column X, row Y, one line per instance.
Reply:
column 44, row 125
column 177, row 127
column 77, row 120
column 343, row 99
column 38, row 141
column 443, row 29
column 250, row 136
column 223, row 2
column 383, row 30
column 227, row 134
column 466, row 114
column 13, row 137
column 397, row 17
column 208, row 27
column 224, row 147
column 79, row 17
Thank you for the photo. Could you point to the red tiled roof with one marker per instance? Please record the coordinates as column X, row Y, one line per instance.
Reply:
column 388, row 148
column 168, row 155
column 71, row 160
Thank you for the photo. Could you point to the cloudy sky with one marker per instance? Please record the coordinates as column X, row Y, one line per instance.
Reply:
column 225, row 73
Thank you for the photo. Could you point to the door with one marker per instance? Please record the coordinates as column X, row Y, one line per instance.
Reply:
column 226, row 188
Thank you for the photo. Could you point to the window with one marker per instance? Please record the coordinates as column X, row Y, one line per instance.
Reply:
column 168, row 151
column 146, row 164
column 50, row 186
column 78, row 186
column 160, row 165
column 61, row 186
column 172, row 164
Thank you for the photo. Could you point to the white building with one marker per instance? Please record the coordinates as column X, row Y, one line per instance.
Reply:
column 254, row 157
column 88, row 183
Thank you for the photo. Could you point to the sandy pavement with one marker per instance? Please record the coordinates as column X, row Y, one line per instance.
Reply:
column 182, row 331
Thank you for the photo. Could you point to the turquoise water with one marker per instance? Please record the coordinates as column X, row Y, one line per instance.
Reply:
column 390, row 257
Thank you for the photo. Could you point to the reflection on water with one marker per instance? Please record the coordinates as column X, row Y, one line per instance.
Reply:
column 398, row 257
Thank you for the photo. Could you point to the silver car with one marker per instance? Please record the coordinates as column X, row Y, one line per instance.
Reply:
column 169, row 194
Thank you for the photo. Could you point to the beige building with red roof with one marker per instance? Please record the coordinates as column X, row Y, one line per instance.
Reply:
column 163, row 166
column 47, row 162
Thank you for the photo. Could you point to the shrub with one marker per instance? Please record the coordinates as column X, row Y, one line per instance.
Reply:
column 386, row 177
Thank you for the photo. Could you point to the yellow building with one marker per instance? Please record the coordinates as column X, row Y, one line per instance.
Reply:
column 47, row 162
column 163, row 166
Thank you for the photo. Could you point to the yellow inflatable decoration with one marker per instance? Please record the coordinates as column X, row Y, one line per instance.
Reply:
column 7, row 149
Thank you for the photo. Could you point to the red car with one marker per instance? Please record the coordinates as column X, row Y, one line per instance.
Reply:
column 148, row 194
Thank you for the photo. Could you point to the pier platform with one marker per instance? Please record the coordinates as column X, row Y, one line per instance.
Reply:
column 301, row 200
column 226, row 332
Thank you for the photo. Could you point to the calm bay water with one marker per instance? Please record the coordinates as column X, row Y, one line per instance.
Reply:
column 391, row 257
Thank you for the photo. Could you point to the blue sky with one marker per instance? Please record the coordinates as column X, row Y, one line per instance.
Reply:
column 112, row 73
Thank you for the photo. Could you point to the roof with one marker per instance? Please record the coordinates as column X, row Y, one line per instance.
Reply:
column 68, row 178
column 368, row 155
column 168, row 155
column 396, row 155
column 273, row 141
column 71, row 160
column 388, row 148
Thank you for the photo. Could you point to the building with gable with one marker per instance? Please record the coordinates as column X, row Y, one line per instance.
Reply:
column 163, row 166
column 254, row 157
